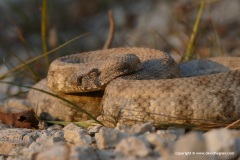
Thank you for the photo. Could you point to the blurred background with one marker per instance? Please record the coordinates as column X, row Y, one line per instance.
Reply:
column 161, row 24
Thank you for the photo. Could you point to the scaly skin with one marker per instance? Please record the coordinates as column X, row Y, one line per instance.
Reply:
column 184, row 101
column 97, row 68
column 149, row 94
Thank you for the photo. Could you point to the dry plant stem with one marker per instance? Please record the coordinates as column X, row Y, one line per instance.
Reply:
column 34, row 74
column 44, row 29
column 216, row 37
column 194, row 32
column 165, row 40
column 23, row 41
column 111, row 31
column 21, row 37
column 155, row 40
column 40, row 56
column 232, row 124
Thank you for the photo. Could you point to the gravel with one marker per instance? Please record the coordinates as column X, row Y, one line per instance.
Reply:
column 141, row 141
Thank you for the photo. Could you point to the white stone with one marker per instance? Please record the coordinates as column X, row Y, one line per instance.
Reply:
column 83, row 153
column 7, row 147
column 133, row 146
column 106, row 154
column 54, row 127
column 188, row 145
column 138, row 129
column 58, row 136
column 177, row 131
column 93, row 129
column 221, row 140
column 15, row 139
column 124, row 128
column 159, row 144
column 76, row 135
column 109, row 138
column 58, row 152
column 46, row 139
column 71, row 126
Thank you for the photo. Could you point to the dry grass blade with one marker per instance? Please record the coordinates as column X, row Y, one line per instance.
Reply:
column 84, row 124
column 21, row 38
column 44, row 29
column 111, row 31
column 169, row 44
column 233, row 124
column 154, row 39
column 39, row 56
column 194, row 32
column 216, row 40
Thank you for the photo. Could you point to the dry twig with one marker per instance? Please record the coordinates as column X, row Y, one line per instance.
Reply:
column 232, row 124
column 111, row 31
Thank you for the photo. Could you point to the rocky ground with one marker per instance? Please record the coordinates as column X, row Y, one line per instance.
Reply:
column 141, row 141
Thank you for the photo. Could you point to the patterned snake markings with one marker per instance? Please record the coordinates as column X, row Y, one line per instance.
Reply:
column 147, row 85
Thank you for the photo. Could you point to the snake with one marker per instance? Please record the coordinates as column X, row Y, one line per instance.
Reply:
column 134, row 85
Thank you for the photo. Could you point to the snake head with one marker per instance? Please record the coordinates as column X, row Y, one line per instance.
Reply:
column 96, row 76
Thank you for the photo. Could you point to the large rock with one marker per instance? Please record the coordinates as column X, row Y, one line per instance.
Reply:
column 48, row 107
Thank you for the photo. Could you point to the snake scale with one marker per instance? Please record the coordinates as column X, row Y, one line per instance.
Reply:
column 143, row 85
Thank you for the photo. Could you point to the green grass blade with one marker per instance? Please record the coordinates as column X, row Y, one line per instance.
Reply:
column 194, row 32
column 84, row 124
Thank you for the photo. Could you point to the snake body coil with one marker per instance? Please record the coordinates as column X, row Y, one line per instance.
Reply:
column 145, row 85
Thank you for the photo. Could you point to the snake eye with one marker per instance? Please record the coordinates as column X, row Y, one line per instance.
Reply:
column 79, row 81
column 86, row 79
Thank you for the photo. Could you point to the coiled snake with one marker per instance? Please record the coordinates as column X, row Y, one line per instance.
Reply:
column 144, row 85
